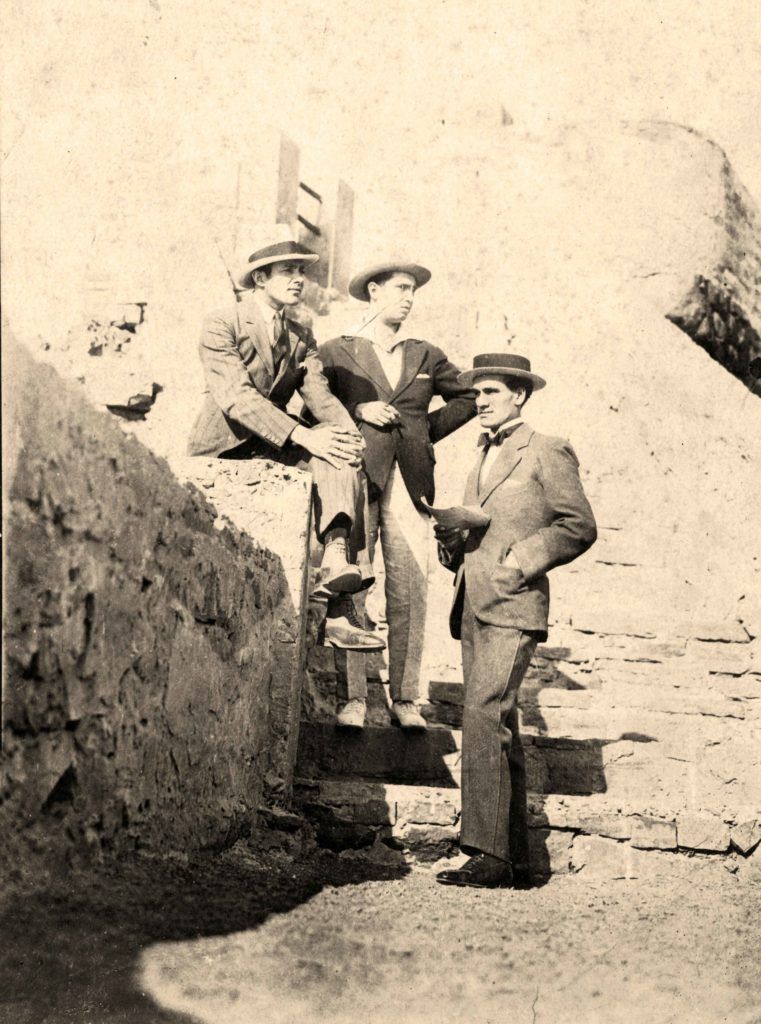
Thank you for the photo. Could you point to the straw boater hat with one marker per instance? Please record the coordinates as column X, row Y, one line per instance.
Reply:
column 501, row 364
column 358, row 284
column 279, row 245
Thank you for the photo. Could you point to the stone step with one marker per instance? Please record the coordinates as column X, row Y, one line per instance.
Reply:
column 626, row 766
column 626, row 703
column 666, row 710
column 554, row 765
column 423, row 822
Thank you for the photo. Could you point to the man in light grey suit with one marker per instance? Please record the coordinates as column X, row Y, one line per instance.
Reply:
column 254, row 359
column 525, row 488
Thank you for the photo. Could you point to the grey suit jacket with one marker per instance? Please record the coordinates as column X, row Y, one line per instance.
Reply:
column 538, row 511
column 244, row 398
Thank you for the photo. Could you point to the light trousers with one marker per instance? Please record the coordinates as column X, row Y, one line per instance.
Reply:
column 405, row 538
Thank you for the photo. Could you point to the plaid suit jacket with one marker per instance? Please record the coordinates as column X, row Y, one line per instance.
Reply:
column 244, row 397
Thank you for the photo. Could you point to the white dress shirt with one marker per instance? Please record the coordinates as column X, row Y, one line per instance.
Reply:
column 273, row 318
column 389, row 350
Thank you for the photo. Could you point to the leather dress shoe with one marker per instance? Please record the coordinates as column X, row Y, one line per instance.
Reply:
column 337, row 575
column 343, row 628
column 407, row 715
column 482, row 872
column 523, row 877
column 352, row 714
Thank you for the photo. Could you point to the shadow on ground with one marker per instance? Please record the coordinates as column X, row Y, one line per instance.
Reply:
column 72, row 950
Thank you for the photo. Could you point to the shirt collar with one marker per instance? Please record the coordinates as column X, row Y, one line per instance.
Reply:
column 497, row 436
column 505, row 428
column 267, row 312
column 366, row 328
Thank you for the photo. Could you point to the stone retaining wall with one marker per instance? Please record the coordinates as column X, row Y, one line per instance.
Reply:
column 153, row 649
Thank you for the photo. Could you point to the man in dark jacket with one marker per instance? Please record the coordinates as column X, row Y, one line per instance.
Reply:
column 387, row 380
column 525, row 488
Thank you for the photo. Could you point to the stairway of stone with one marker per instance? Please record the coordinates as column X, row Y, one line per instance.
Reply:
column 619, row 759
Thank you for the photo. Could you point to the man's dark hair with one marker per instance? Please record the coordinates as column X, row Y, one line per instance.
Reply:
column 380, row 279
column 266, row 270
column 518, row 384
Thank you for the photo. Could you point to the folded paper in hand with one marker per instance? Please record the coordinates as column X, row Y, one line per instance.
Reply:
column 458, row 517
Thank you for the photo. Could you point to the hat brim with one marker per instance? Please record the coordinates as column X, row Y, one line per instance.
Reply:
column 358, row 284
column 468, row 377
column 244, row 277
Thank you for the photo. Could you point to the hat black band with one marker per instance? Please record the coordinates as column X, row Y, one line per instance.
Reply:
column 279, row 249
column 503, row 360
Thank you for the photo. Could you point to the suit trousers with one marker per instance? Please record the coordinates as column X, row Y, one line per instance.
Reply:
column 405, row 537
column 494, row 809
column 336, row 491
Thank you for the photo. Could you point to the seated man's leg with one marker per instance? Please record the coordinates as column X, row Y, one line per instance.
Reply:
column 337, row 495
column 338, row 503
column 341, row 526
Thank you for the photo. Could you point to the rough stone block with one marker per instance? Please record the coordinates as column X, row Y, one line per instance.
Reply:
column 702, row 832
column 721, row 658
column 636, row 649
column 550, row 852
column 378, row 853
column 604, row 858
column 728, row 631
column 446, row 693
column 428, row 842
column 378, row 753
column 653, row 833
column 422, row 809
column 746, row 835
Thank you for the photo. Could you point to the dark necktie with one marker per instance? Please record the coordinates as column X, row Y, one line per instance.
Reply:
column 281, row 348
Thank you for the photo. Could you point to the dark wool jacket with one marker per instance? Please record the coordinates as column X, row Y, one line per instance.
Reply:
column 355, row 376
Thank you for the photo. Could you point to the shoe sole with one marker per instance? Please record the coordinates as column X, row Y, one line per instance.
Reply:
column 343, row 646
column 353, row 726
column 346, row 584
column 475, row 885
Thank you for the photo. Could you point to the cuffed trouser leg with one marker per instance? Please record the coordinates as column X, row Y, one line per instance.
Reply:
column 494, row 811
column 405, row 542
column 337, row 492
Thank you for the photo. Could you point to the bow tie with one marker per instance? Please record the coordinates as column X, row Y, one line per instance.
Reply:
column 487, row 441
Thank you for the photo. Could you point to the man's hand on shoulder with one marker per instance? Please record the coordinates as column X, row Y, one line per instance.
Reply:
column 335, row 445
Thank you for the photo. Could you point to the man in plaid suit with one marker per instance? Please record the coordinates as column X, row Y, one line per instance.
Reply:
column 254, row 359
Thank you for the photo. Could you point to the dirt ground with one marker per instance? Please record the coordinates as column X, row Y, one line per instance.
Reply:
column 245, row 936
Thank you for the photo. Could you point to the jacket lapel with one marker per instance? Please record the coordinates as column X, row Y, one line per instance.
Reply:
column 257, row 331
column 361, row 352
column 510, row 454
column 412, row 359
column 471, row 487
